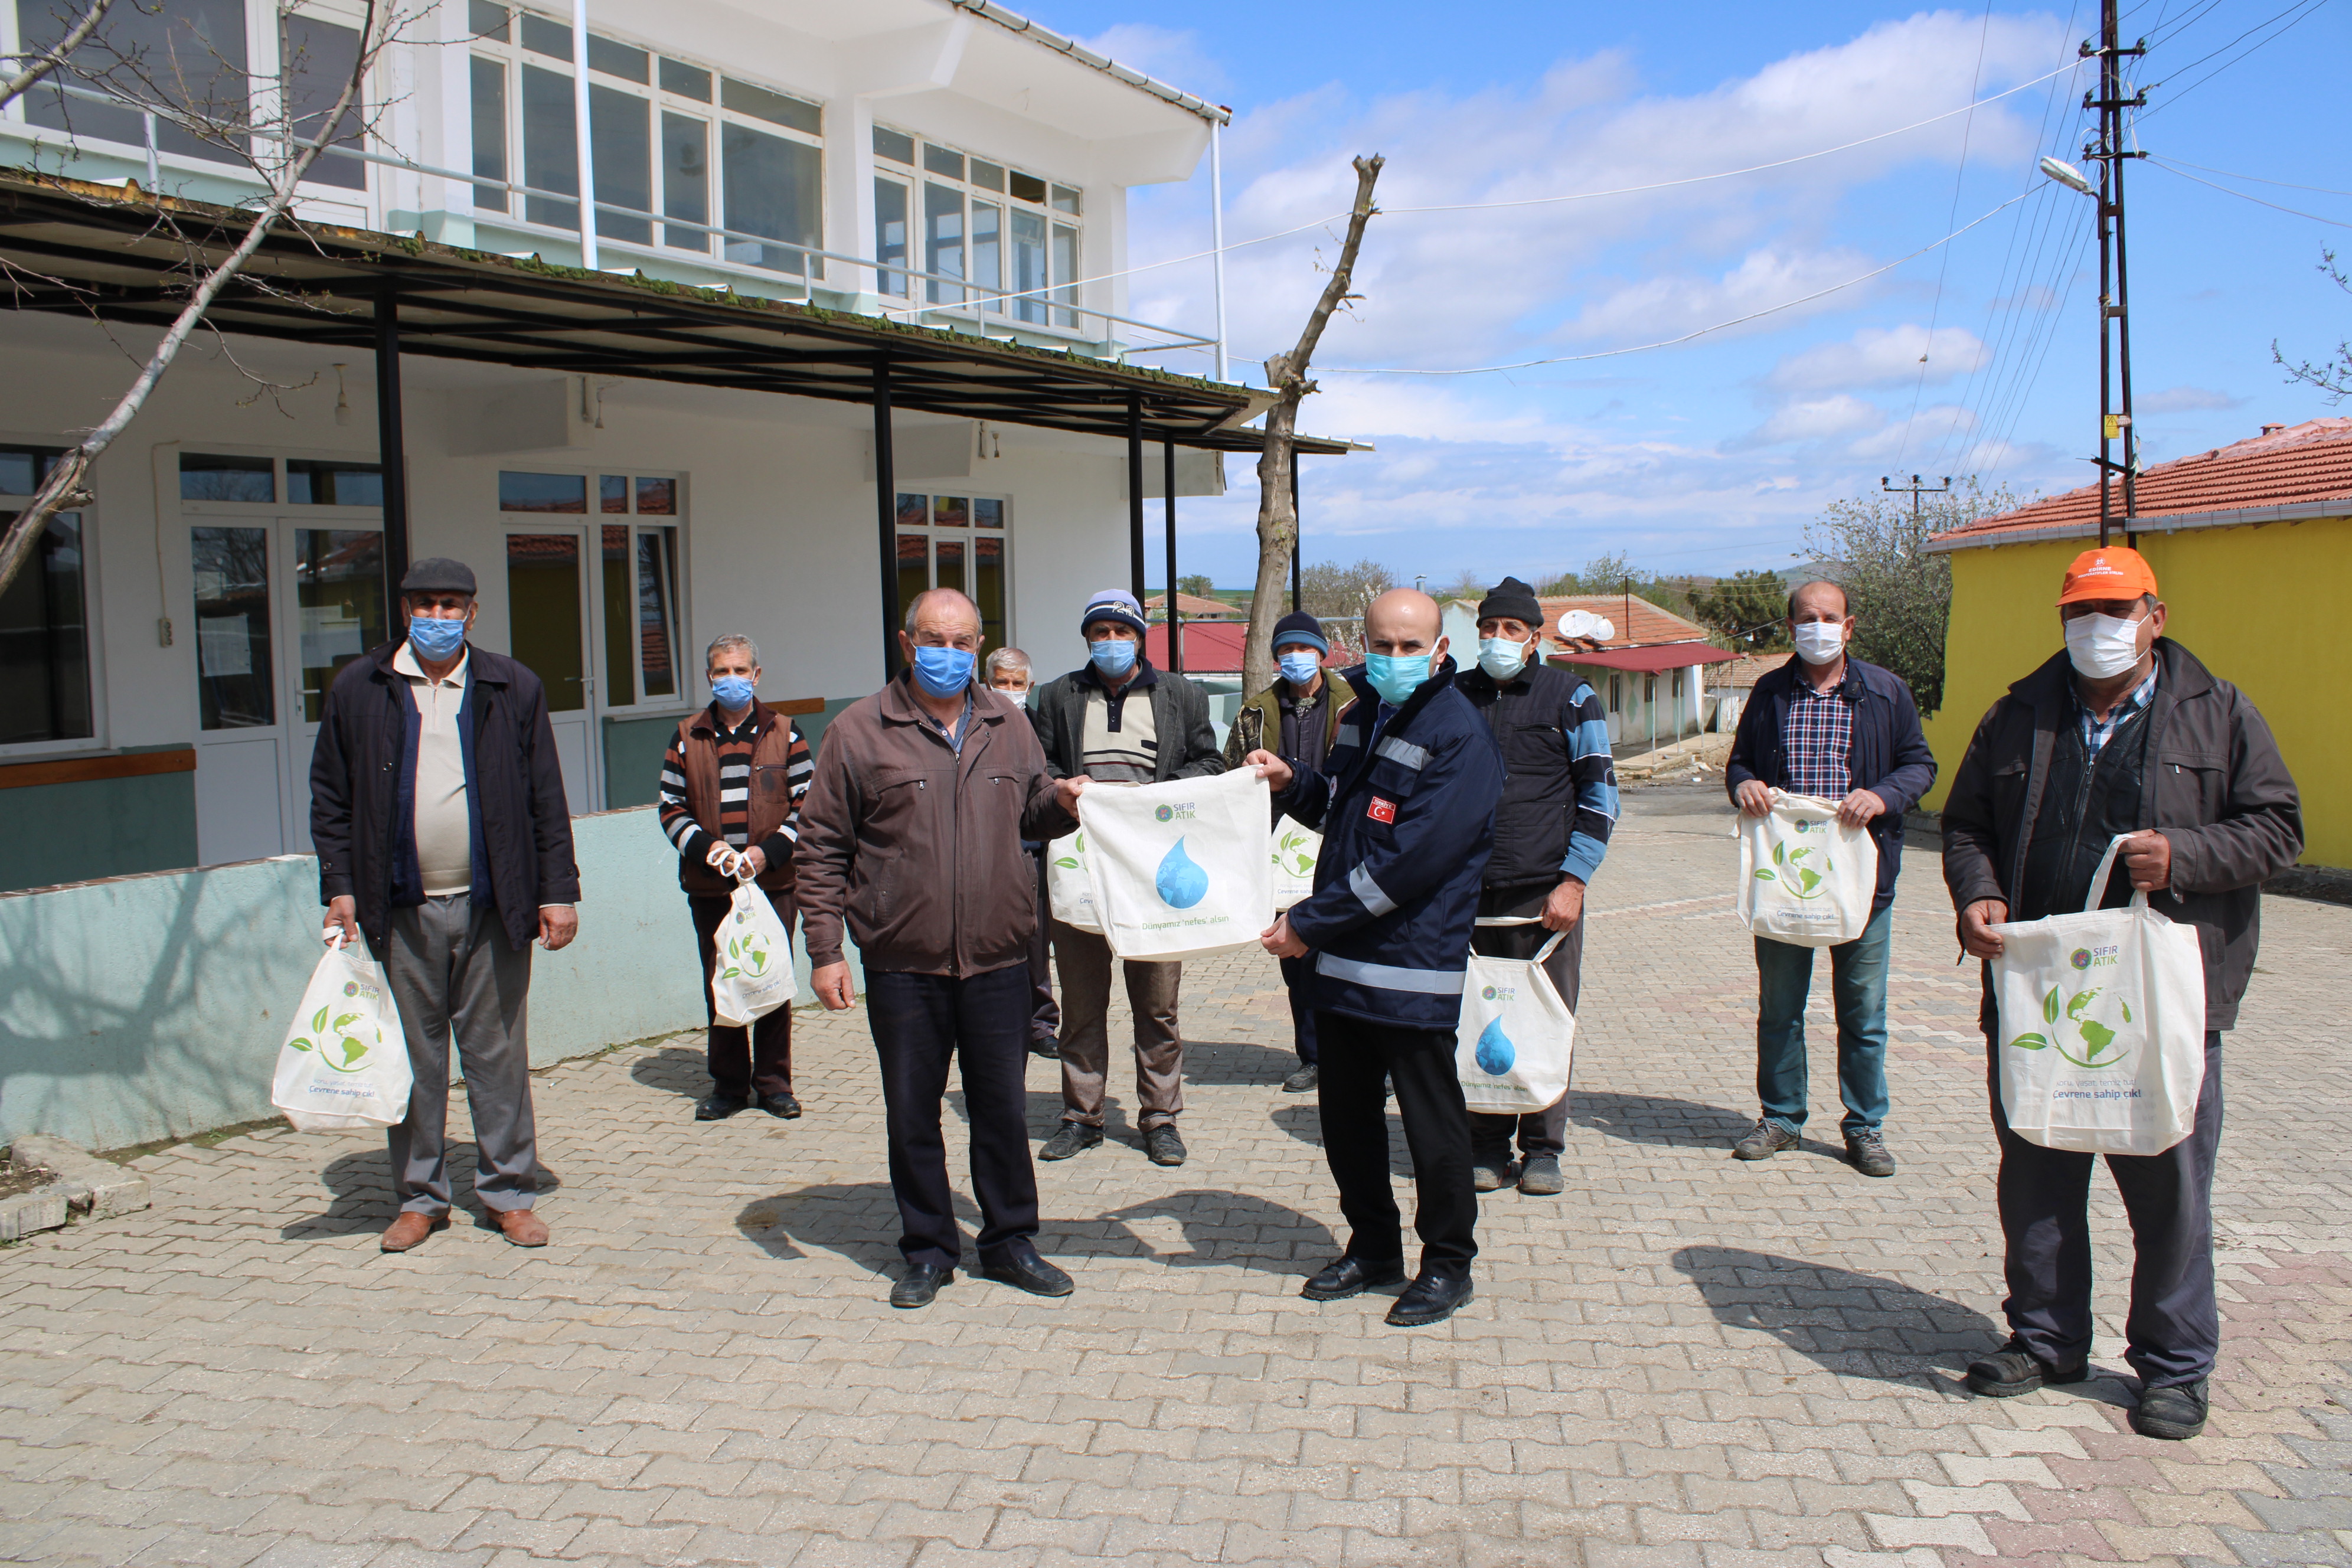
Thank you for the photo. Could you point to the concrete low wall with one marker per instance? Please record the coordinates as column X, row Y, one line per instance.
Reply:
column 152, row 1006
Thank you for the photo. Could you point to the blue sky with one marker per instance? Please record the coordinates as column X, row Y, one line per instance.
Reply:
column 1712, row 455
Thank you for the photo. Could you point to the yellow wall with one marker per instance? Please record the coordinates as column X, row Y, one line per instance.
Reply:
column 2264, row 607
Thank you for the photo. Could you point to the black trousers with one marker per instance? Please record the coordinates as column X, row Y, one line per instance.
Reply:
column 1359, row 1058
column 1297, row 978
column 2173, row 1328
column 920, row 1023
column 1541, row 1132
column 743, row 1062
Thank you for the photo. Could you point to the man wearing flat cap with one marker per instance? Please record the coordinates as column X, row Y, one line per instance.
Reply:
column 1551, row 829
column 438, row 811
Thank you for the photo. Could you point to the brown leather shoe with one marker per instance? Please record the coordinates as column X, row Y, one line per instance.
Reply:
column 522, row 1226
column 411, row 1228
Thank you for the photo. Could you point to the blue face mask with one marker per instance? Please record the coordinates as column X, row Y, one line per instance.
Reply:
column 1299, row 668
column 943, row 671
column 1112, row 657
column 436, row 640
column 1501, row 657
column 1396, row 677
column 733, row 691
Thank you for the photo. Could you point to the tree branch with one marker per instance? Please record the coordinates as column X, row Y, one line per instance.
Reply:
column 51, row 58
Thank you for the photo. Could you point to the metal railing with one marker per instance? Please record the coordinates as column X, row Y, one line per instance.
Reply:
column 800, row 270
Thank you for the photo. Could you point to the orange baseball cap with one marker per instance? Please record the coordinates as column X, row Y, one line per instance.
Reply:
column 2114, row 573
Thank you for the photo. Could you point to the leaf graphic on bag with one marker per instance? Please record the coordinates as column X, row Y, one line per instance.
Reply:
column 2127, row 1007
column 298, row 1045
column 2028, row 1043
column 319, row 1023
column 1765, row 876
column 1066, row 863
column 1779, row 854
column 2050, row 1006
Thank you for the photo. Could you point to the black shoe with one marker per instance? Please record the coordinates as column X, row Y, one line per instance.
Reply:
column 1490, row 1172
column 781, row 1104
column 1164, row 1145
column 1020, row 1267
column 1539, row 1177
column 919, row 1284
column 1047, row 1047
column 1303, row 1081
column 1352, row 1276
column 1432, row 1299
column 1068, row 1139
column 2175, row 1412
column 1765, row 1139
column 720, row 1107
column 1867, row 1151
column 2013, row 1369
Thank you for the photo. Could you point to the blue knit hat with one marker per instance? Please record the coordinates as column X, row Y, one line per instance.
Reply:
column 1114, row 604
column 1298, row 626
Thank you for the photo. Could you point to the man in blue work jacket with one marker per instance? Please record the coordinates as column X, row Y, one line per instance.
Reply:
column 1406, row 804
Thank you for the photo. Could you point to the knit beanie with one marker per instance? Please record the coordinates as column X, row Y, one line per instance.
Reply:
column 1113, row 605
column 1298, row 626
column 1512, row 600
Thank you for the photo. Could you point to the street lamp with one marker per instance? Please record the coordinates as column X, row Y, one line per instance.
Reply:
column 2067, row 175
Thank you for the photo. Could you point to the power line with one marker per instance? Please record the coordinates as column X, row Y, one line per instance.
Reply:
column 2168, row 165
column 2299, row 13
column 1944, row 262
column 2257, row 179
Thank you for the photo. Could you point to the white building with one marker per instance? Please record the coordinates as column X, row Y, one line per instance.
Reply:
column 816, row 223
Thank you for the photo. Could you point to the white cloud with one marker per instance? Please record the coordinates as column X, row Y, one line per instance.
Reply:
column 1893, row 356
column 1175, row 58
column 2184, row 400
column 1823, row 419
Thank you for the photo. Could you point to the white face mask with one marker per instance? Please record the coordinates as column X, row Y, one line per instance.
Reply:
column 2102, row 647
column 1501, row 657
column 1820, row 642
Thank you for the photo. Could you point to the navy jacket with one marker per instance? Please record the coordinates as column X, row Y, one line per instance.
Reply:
column 1408, row 822
column 1890, row 756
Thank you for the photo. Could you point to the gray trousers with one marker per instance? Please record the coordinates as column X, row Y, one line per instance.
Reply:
column 452, row 972
column 1084, row 960
column 1541, row 1132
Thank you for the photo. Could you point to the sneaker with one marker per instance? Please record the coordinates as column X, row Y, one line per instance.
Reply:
column 1069, row 1138
column 1539, row 1177
column 1490, row 1172
column 1768, row 1139
column 1303, row 1080
column 2013, row 1369
column 2173, row 1413
column 1164, row 1145
column 1867, row 1152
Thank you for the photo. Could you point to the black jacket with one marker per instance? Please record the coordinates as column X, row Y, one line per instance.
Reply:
column 2216, row 787
column 1186, row 746
column 357, row 783
column 1890, row 756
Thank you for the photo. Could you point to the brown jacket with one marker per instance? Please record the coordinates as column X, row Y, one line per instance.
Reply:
column 918, row 846
column 778, row 755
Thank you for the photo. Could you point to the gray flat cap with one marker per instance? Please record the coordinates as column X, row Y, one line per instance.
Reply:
column 437, row 574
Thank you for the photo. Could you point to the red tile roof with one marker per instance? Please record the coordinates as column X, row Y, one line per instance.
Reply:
column 1635, row 620
column 1195, row 608
column 2283, row 467
column 1742, row 671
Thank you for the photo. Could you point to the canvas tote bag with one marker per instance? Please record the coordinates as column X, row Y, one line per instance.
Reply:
column 2102, row 1025
column 753, row 976
column 1069, row 886
column 1805, row 878
column 1515, row 1046
column 1181, row 867
column 345, row 1062
column 1297, row 847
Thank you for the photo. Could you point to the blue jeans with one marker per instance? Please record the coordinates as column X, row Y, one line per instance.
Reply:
column 1784, row 976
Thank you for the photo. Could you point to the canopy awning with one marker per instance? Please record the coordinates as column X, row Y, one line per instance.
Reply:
column 1650, row 660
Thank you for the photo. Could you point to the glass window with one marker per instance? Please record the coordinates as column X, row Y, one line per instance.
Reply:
column 895, row 145
column 551, row 155
column 936, row 550
column 686, row 181
column 318, row 59
column 490, row 133
column 616, row 591
column 190, row 54
column 206, row 475
column 612, row 492
column 311, row 482
column 621, row 137
column 942, row 160
column 1028, row 188
column 22, row 468
column 339, row 587
column 792, row 113
column 914, row 510
column 772, row 187
column 943, row 240
column 657, row 609
column 948, row 556
column 890, row 235
column 1065, row 200
column 623, row 60
column 1028, row 266
column 988, row 255
column 987, row 176
column 987, row 591
column 544, row 615
column 950, row 511
column 234, row 689
column 1066, row 275
column 542, row 36
column 44, row 627
column 657, row 498
column 542, row 492
column 685, row 80
column 988, row 514
column 486, row 20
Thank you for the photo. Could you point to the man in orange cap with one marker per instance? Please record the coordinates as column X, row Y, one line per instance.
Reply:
column 2123, row 733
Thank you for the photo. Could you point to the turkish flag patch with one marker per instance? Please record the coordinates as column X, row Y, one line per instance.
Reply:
column 1382, row 810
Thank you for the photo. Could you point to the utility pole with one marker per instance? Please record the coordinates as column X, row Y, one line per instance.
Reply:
column 2107, row 149
column 1915, row 490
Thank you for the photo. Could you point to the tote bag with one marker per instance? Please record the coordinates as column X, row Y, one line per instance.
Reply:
column 753, row 976
column 345, row 1062
column 2101, row 1026
column 1515, row 1042
column 1181, row 867
column 1805, row 878
column 1297, row 847
column 1069, row 887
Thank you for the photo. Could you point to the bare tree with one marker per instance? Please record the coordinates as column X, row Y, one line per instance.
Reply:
column 37, row 63
column 1286, row 375
column 67, row 487
column 1330, row 590
column 2333, row 376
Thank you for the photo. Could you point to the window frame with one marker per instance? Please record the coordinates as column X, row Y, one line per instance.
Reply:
column 639, row 524
column 932, row 531
column 1059, row 307
column 99, row 741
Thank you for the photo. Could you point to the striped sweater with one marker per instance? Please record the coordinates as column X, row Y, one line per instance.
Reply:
column 735, row 749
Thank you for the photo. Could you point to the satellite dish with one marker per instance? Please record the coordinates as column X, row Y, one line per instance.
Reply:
column 1604, row 628
column 1576, row 624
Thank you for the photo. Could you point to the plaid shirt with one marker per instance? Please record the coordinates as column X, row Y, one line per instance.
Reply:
column 1818, row 738
column 2096, row 732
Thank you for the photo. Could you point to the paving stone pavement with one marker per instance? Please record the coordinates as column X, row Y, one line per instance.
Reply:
column 1685, row 1361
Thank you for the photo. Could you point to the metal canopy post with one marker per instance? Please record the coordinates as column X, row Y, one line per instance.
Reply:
column 1175, row 616
column 391, row 451
column 1297, row 572
column 1135, row 494
column 886, row 516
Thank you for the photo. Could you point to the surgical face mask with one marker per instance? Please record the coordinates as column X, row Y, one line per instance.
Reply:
column 1820, row 642
column 436, row 640
column 2102, row 647
column 1501, row 657
column 1112, row 656
column 733, row 691
column 1396, row 676
column 943, row 671
column 1299, row 667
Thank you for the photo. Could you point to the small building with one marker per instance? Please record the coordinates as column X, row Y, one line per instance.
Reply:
column 2251, row 545
column 1729, row 685
column 1649, row 668
column 1193, row 607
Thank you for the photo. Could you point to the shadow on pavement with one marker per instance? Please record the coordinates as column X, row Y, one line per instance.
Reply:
column 362, row 1184
column 674, row 1069
column 1239, row 1062
column 1861, row 1325
column 856, row 1220
column 1653, row 1119
column 1302, row 1119
column 1222, row 1228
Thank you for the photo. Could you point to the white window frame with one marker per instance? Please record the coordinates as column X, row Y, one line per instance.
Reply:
column 933, row 532
column 1058, row 309
column 647, row 706
column 99, row 741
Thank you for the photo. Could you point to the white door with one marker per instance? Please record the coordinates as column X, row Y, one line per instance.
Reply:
column 242, row 730
column 547, row 624
column 337, row 606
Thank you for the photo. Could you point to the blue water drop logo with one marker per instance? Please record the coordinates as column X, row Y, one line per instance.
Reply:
column 1180, row 881
column 1495, row 1052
